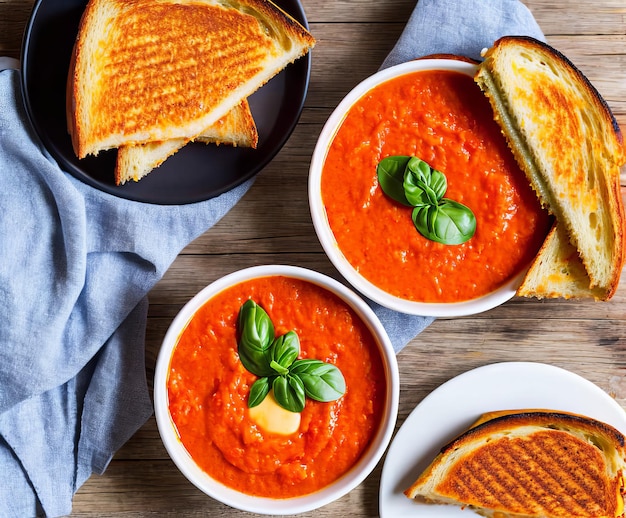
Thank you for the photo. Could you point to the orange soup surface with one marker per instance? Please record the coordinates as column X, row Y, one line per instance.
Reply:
column 443, row 118
column 208, row 390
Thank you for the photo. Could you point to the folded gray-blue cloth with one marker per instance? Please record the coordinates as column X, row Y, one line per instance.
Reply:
column 76, row 265
column 461, row 27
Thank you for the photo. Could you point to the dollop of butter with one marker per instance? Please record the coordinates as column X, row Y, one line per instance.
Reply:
column 272, row 417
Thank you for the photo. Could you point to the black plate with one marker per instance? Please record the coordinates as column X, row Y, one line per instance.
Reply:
column 198, row 171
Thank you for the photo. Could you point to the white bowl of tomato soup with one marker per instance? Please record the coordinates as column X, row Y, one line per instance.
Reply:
column 405, row 251
column 265, row 457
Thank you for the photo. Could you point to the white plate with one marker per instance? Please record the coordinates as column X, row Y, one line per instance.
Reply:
column 451, row 408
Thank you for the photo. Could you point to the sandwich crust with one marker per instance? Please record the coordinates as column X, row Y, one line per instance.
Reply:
column 557, row 272
column 236, row 128
column 536, row 463
column 570, row 146
column 154, row 70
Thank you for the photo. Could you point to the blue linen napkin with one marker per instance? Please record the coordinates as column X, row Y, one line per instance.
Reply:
column 461, row 27
column 76, row 265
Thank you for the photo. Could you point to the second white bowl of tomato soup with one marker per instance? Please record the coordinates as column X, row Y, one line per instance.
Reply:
column 416, row 197
column 276, row 390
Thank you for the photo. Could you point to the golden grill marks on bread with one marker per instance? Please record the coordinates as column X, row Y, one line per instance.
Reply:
column 567, row 141
column 154, row 70
column 528, row 464
column 236, row 128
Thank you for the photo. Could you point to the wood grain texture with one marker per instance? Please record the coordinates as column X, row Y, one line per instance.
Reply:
column 272, row 224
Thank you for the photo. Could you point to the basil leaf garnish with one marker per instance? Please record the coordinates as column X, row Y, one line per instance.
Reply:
column 322, row 381
column 423, row 219
column 455, row 224
column 275, row 361
column 390, row 172
column 285, row 349
column 449, row 222
column 256, row 336
column 259, row 389
column 418, row 190
column 279, row 368
column 422, row 184
column 435, row 217
column 289, row 392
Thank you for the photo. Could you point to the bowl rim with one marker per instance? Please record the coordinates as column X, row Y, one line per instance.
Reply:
column 320, row 221
column 262, row 505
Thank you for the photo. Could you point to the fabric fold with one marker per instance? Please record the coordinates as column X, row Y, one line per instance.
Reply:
column 76, row 265
column 461, row 27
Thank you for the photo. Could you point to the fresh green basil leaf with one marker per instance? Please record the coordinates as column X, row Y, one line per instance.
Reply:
column 449, row 222
column 417, row 191
column 421, row 219
column 322, row 381
column 461, row 224
column 285, row 349
column 255, row 325
column 259, row 389
column 422, row 184
column 275, row 362
column 255, row 361
column 279, row 368
column 256, row 337
column 420, row 168
column 289, row 392
column 438, row 183
column 390, row 172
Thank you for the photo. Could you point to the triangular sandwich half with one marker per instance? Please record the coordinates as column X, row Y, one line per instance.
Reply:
column 530, row 464
column 155, row 70
column 236, row 128
column 558, row 272
column 568, row 143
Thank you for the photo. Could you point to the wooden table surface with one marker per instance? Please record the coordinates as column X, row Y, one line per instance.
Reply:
column 353, row 38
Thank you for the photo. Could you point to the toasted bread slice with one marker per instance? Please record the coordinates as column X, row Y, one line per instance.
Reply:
column 156, row 70
column 557, row 272
column 567, row 141
column 527, row 464
column 236, row 128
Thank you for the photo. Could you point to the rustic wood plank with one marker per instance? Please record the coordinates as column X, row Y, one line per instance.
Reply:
column 360, row 11
column 160, row 490
column 13, row 18
column 576, row 18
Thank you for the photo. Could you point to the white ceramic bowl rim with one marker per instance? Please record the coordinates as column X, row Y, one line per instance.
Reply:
column 261, row 505
column 322, row 227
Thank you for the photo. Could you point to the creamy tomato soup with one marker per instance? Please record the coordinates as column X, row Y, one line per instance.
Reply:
column 443, row 118
column 208, row 390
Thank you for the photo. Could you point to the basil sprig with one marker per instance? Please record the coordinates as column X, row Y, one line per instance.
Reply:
column 412, row 182
column 275, row 361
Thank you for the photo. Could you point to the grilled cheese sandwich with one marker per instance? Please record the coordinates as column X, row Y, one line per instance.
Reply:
column 568, row 143
column 530, row 464
column 236, row 128
column 558, row 272
column 154, row 70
